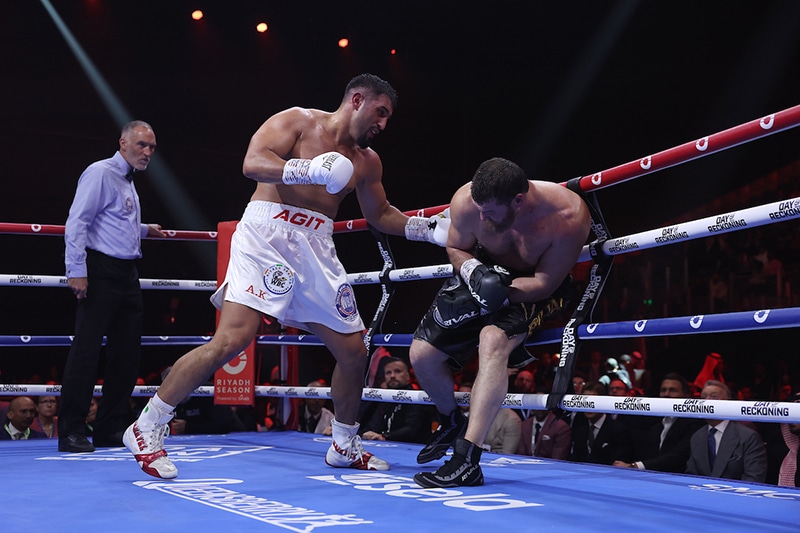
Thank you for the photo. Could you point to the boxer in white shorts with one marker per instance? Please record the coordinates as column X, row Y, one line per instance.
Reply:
column 283, row 262
column 276, row 245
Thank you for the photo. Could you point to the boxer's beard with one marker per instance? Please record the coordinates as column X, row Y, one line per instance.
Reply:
column 363, row 142
column 504, row 224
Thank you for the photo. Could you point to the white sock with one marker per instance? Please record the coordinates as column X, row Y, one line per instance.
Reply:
column 342, row 433
column 155, row 413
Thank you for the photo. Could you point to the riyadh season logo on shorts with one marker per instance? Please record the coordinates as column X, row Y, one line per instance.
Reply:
column 346, row 302
column 279, row 279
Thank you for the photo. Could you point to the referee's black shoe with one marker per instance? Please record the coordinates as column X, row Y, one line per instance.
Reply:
column 75, row 443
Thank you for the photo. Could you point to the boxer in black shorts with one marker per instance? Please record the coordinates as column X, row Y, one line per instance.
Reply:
column 454, row 321
column 512, row 242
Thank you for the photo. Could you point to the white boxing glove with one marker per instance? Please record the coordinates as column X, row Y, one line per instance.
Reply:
column 431, row 229
column 331, row 169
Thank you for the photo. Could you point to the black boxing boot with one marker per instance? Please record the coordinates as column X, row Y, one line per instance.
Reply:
column 462, row 470
column 450, row 428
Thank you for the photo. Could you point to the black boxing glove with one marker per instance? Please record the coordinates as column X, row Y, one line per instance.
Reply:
column 455, row 307
column 489, row 286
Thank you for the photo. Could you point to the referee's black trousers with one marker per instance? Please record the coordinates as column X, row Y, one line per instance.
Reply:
column 112, row 308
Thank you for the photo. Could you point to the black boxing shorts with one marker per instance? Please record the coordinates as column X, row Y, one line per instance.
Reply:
column 456, row 331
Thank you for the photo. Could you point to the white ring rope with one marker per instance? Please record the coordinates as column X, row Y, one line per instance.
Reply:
column 705, row 227
column 731, row 221
column 36, row 280
column 760, row 411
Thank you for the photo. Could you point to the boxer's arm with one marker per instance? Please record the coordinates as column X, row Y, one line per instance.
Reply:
column 79, row 287
column 153, row 230
column 273, row 143
column 88, row 202
column 488, row 287
column 372, row 198
column 461, row 239
column 276, row 140
column 554, row 265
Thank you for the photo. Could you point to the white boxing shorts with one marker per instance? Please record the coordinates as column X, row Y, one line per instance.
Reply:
column 283, row 263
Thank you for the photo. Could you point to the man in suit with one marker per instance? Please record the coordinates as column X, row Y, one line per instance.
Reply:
column 724, row 448
column 574, row 418
column 313, row 416
column 545, row 435
column 666, row 444
column 401, row 421
column 601, row 440
column 21, row 412
column 523, row 384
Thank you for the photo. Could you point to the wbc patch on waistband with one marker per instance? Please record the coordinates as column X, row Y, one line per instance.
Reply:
column 279, row 279
column 346, row 302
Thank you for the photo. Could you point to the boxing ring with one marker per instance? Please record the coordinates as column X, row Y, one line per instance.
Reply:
column 278, row 480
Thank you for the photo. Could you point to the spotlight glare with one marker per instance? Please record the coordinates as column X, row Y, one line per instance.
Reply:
column 343, row 43
column 197, row 14
column 261, row 27
column 394, row 51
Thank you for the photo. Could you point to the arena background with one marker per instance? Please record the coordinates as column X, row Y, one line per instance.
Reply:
column 565, row 89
